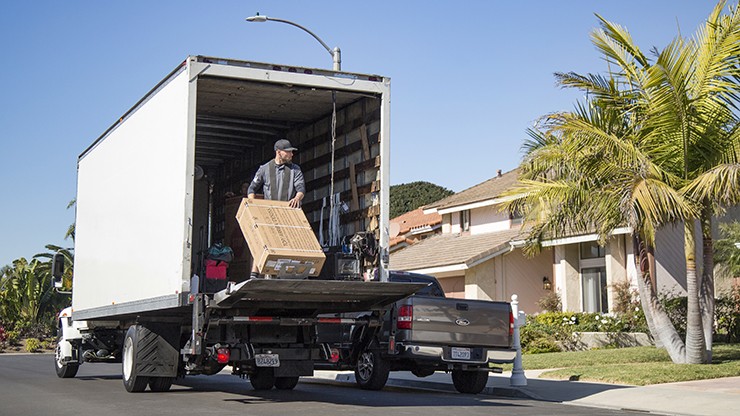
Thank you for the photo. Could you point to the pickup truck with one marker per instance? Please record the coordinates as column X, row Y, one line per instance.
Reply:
column 424, row 333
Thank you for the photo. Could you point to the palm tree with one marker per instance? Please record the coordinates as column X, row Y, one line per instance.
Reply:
column 568, row 186
column 670, row 138
column 692, row 111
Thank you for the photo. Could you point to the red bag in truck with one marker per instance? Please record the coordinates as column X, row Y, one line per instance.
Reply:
column 216, row 269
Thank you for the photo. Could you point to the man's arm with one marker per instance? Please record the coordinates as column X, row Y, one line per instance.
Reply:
column 299, row 185
column 257, row 182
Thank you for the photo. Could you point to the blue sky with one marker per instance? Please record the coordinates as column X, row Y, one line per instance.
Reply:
column 468, row 78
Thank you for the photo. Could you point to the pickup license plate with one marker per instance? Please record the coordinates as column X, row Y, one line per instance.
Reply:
column 267, row 360
column 460, row 353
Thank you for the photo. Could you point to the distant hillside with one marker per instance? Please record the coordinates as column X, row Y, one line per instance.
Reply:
column 409, row 196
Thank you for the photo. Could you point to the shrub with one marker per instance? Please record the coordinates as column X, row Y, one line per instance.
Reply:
column 33, row 345
column 727, row 314
column 551, row 302
column 3, row 335
column 12, row 337
column 547, row 331
column 537, row 338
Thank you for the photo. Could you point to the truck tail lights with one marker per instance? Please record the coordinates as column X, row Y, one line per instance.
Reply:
column 223, row 355
column 511, row 324
column 405, row 317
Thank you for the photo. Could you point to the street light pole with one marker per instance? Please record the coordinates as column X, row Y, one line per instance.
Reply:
column 335, row 53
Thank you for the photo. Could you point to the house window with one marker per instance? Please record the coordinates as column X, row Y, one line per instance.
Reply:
column 592, row 250
column 593, row 283
column 465, row 220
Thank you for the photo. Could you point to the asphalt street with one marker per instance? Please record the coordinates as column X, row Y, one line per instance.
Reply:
column 29, row 386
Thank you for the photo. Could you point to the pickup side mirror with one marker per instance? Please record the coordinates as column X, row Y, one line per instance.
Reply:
column 57, row 270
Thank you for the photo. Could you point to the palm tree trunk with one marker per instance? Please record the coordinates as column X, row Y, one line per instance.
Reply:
column 652, row 270
column 695, row 346
column 662, row 328
column 706, row 297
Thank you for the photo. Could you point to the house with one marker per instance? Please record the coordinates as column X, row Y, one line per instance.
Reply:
column 412, row 227
column 478, row 255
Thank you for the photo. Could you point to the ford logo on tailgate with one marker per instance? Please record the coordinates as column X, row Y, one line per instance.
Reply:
column 462, row 322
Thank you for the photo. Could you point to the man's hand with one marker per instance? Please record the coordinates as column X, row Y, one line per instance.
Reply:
column 295, row 203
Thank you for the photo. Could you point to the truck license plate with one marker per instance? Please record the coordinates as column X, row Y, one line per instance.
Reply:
column 460, row 353
column 267, row 360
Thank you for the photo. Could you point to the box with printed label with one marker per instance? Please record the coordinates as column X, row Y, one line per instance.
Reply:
column 280, row 238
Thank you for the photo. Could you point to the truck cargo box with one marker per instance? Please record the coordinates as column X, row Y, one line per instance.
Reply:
column 153, row 190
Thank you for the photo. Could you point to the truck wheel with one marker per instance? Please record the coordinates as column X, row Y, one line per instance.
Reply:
column 160, row 384
column 131, row 381
column 422, row 372
column 469, row 382
column 64, row 370
column 371, row 370
column 286, row 383
column 262, row 379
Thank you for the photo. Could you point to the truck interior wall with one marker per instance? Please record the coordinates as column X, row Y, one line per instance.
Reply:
column 356, row 175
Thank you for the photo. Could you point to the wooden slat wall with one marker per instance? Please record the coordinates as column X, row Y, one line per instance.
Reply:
column 356, row 164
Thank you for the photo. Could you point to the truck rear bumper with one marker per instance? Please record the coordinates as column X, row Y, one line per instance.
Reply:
column 490, row 355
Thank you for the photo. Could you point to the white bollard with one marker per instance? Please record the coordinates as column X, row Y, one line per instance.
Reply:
column 518, row 379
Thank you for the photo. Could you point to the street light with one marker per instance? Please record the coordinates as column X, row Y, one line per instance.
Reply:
column 335, row 53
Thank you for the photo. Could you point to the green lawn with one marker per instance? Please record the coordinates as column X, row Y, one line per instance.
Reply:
column 637, row 366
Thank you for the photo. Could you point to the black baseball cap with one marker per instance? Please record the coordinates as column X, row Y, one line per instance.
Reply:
column 284, row 144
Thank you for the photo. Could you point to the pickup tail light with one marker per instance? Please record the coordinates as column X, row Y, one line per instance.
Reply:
column 223, row 355
column 405, row 317
column 511, row 323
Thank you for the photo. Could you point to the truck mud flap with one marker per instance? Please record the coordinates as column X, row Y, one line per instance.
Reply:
column 317, row 296
column 157, row 350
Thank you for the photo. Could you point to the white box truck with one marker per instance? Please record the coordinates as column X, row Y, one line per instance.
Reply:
column 151, row 200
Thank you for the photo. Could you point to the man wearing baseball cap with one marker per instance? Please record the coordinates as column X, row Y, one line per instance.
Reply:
column 280, row 179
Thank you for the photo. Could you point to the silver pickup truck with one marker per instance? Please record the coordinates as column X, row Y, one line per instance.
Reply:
column 424, row 333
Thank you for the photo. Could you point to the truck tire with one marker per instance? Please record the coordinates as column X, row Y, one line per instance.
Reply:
column 469, row 382
column 422, row 372
column 64, row 370
column 263, row 378
column 371, row 370
column 286, row 383
column 160, row 384
column 131, row 380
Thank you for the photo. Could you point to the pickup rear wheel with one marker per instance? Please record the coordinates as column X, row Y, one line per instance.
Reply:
column 469, row 382
column 263, row 378
column 286, row 383
column 371, row 370
column 64, row 370
column 133, row 382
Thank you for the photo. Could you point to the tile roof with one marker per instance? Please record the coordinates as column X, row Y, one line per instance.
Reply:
column 489, row 189
column 416, row 218
column 450, row 249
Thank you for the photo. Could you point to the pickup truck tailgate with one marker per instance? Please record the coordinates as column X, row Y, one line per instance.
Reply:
column 448, row 321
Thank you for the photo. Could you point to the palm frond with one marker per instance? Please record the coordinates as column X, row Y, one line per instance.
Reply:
column 720, row 185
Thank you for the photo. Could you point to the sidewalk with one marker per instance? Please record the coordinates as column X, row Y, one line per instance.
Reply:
column 706, row 397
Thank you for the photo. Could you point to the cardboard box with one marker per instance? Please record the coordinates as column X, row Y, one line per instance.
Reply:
column 280, row 238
